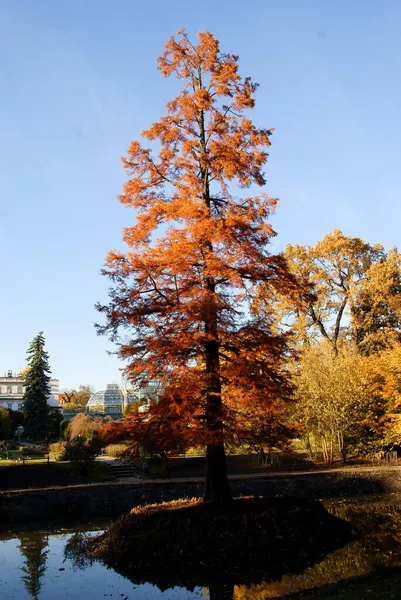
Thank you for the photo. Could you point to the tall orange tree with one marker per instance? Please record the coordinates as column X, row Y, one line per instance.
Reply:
column 180, row 307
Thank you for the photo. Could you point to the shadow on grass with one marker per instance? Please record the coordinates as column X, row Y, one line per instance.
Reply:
column 31, row 475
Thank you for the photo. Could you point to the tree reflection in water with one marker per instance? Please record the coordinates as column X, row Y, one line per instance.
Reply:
column 379, row 523
column 221, row 591
column 34, row 549
column 238, row 582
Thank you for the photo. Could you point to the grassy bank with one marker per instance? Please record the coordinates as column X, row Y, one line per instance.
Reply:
column 40, row 474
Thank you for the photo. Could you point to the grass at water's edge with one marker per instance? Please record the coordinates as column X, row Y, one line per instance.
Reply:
column 384, row 584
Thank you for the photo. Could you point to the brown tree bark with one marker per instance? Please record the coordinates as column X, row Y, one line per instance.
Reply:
column 221, row 591
column 217, row 488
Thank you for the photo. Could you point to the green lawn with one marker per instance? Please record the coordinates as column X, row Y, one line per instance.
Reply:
column 15, row 457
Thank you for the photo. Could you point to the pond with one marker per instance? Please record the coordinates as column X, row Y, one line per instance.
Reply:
column 33, row 564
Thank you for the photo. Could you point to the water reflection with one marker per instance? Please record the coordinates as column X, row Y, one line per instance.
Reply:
column 258, row 571
column 32, row 565
column 34, row 549
column 289, row 572
column 379, row 523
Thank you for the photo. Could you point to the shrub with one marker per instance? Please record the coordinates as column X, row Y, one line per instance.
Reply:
column 82, row 452
column 196, row 451
column 115, row 450
column 5, row 424
column 84, row 426
column 55, row 419
column 57, row 451
column 64, row 429
column 17, row 418
column 13, row 446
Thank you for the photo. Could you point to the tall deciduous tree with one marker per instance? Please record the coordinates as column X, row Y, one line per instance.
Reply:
column 78, row 398
column 336, row 267
column 199, row 250
column 377, row 309
column 37, row 390
column 340, row 406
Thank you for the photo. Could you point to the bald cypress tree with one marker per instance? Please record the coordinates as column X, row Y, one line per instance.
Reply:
column 182, row 305
column 37, row 390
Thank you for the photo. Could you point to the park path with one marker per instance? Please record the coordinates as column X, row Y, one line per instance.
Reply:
column 267, row 475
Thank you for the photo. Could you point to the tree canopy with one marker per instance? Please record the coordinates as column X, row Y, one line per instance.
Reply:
column 356, row 289
column 77, row 398
column 340, row 407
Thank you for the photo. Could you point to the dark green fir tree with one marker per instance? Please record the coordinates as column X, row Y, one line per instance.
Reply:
column 37, row 390
column 34, row 549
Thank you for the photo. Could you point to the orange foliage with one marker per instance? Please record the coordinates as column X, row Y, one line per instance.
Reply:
column 198, row 253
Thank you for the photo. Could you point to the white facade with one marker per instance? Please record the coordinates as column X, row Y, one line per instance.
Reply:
column 12, row 391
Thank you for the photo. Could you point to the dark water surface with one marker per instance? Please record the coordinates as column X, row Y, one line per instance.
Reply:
column 33, row 565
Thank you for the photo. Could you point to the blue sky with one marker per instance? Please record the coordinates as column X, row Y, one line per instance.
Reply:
column 79, row 82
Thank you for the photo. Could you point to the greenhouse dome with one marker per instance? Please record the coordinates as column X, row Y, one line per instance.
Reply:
column 109, row 401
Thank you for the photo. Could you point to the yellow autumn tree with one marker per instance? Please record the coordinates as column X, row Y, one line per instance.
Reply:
column 357, row 294
column 339, row 409
column 386, row 382
column 377, row 306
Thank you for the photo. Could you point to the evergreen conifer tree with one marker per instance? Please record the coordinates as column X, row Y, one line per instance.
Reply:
column 37, row 390
column 34, row 549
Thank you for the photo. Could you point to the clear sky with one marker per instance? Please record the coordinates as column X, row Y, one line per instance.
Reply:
column 79, row 82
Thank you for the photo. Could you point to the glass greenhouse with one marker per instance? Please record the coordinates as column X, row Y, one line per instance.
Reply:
column 114, row 399
column 109, row 401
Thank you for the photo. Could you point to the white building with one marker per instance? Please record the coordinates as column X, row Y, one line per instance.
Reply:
column 12, row 391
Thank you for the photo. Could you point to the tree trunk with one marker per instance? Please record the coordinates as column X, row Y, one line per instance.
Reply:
column 217, row 488
column 341, row 447
column 221, row 591
column 308, row 445
column 325, row 450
